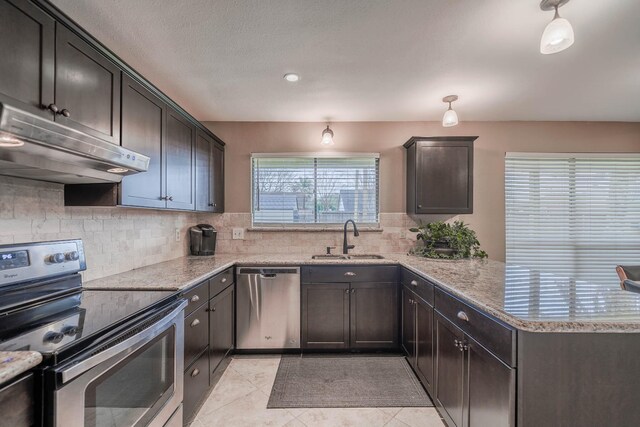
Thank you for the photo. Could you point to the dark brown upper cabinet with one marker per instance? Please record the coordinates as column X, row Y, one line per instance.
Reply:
column 27, row 43
column 87, row 88
column 143, row 131
column 440, row 175
column 209, row 174
column 179, row 162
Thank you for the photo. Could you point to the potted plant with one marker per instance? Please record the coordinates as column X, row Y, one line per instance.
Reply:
column 447, row 241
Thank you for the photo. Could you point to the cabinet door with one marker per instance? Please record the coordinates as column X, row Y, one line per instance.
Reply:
column 325, row 315
column 204, row 147
column 143, row 128
column 87, row 85
column 216, row 186
column 409, row 325
column 424, row 343
column 27, row 43
column 449, row 371
column 491, row 389
column 17, row 402
column 374, row 315
column 196, row 385
column 444, row 177
column 179, row 157
column 221, row 317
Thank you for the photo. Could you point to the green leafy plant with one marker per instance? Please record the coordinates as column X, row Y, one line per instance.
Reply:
column 447, row 241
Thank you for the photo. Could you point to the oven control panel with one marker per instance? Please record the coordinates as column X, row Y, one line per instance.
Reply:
column 32, row 261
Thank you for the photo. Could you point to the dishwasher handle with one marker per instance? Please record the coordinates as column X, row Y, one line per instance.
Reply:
column 268, row 272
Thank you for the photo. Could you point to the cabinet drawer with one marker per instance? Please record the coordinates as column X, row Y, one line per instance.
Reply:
column 196, row 386
column 196, row 296
column 417, row 284
column 495, row 336
column 349, row 274
column 219, row 282
column 196, row 333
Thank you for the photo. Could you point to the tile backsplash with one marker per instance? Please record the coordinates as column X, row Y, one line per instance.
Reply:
column 121, row 239
column 115, row 239
column 394, row 237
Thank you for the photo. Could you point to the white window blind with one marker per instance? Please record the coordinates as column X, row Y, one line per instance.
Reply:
column 304, row 190
column 574, row 215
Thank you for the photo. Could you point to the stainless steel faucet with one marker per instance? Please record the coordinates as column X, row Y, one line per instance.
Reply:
column 345, row 245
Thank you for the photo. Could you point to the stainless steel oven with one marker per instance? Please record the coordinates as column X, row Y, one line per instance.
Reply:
column 133, row 378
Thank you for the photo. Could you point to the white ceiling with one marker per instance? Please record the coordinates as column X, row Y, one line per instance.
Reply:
column 366, row 60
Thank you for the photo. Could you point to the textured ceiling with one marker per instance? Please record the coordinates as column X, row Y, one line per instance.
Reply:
column 372, row 60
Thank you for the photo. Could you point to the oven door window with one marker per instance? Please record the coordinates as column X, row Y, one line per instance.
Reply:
column 134, row 390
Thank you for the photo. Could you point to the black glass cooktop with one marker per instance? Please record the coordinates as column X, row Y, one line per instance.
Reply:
column 62, row 323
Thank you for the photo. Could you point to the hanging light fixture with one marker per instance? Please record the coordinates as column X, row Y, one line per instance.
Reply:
column 327, row 136
column 450, row 117
column 558, row 34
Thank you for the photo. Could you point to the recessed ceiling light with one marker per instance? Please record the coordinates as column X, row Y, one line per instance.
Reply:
column 10, row 141
column 118, row 170
column 291, row 77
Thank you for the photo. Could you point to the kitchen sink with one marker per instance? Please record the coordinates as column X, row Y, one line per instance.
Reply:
column 356, row 256
column 329, row 256
column 365, row 256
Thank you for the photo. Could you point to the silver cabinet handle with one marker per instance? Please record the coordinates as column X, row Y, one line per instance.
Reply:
column 65, row 112
column 353, row 291
column 463, row 316
column 195, row 372
column 414, row 283
column 350, row 273
column 456, row 343
column 420, row 206
column 195, row 298
column 53, row 108
column 170, row 198
column 195, row 322
column 347, row 291
column 224, row 279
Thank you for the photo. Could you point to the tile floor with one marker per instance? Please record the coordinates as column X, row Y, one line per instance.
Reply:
column 240, row 399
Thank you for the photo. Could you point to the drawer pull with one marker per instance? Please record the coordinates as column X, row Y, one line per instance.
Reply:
column 463, row 316
column 195, row 372
column 224, row 280
column 195, row 298
column 350, row 273
column 346, row 291
column 414, row 282
column 195, row 322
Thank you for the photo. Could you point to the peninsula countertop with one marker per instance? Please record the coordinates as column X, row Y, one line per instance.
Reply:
column 14, row 363
column 525, row 299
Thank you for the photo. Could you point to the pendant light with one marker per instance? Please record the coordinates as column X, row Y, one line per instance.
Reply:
column 558, row 35
column 450, row 117
column 327, row 136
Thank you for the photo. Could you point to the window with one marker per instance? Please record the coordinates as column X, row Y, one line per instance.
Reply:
column 574, row 215
column 304, row 190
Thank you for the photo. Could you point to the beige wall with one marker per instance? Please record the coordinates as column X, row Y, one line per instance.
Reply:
column 495, row 138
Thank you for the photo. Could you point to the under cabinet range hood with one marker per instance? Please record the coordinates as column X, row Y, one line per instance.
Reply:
column 38, row 148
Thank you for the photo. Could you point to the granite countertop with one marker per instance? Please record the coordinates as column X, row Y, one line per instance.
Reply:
column 13, row 363
column 525, row 299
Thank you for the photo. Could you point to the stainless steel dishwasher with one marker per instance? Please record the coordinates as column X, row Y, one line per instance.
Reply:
column 268, row 308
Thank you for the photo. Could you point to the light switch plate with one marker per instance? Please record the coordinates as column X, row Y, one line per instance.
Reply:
column 238, row 234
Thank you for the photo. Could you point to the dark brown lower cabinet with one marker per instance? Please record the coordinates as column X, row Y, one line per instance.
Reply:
column 492, row 385
column 408, row 325
column 221, row 318
column 196, row 385
column 417, row 336
column 374, row 315
column 17, row 402
column 473, row 387
column 424, row 343
column 325, row 315
column 450, row 372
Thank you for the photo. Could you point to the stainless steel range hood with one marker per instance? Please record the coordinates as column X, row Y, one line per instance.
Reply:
column 37, row 148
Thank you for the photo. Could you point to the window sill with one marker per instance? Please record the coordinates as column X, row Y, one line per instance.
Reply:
column 330, row 229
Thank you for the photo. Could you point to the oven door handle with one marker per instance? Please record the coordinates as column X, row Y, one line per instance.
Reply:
column 127, row 346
